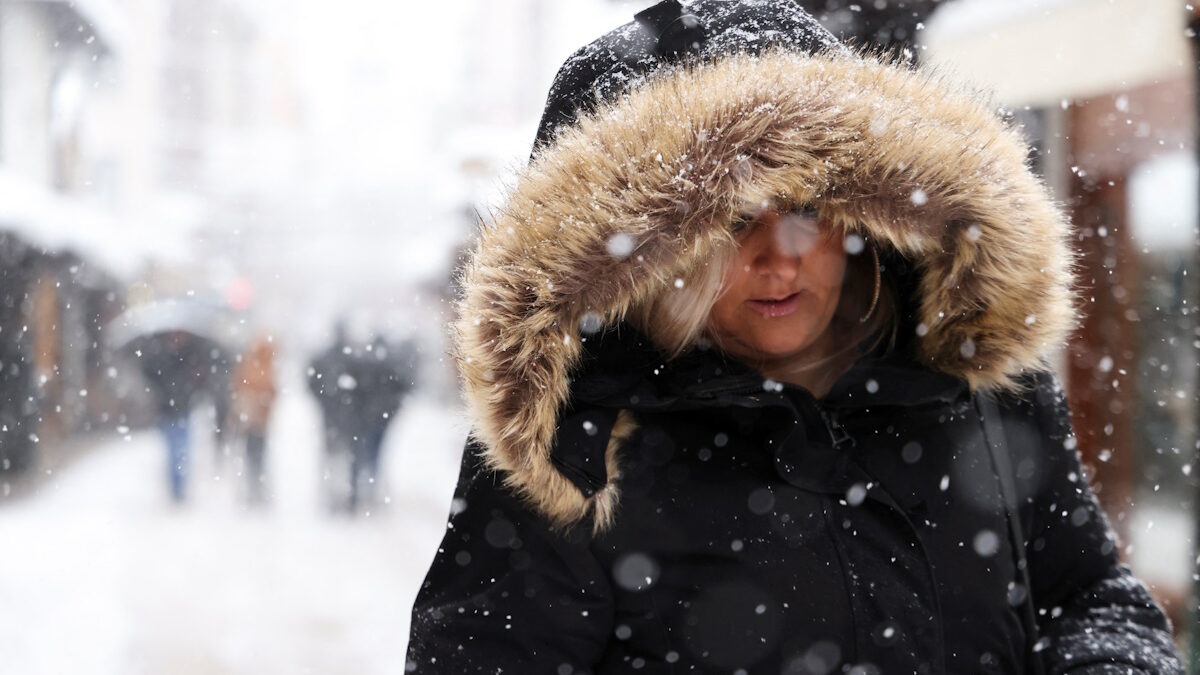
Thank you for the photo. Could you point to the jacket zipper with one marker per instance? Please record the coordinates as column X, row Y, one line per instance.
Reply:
column 837, row 433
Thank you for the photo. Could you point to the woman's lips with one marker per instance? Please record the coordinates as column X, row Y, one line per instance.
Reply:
column 773, row 309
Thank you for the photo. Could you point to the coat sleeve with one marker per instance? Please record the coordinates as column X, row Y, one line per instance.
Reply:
column 505, row 593
column 1094, row 616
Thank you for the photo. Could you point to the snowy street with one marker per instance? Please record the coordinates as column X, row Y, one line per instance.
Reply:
column 103, row 574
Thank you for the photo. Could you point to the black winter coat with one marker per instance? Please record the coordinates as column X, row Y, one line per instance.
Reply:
column 763, row 531
column 623, row 511
column 361, row 390
column 179, row 367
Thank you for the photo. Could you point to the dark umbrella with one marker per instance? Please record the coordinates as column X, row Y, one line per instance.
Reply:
column 198, row 319
column 165, row 336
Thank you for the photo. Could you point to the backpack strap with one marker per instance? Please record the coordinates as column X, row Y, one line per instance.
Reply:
column 993, row 430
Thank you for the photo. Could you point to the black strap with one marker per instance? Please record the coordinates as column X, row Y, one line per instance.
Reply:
column 993, row 430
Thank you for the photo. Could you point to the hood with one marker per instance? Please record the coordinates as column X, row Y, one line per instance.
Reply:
column 638, row 191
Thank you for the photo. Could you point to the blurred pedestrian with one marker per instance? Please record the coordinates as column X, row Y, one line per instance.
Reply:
column 177, row 369
column 253, row 399
column 331, row 382
column 383, row 375
column 225, row 427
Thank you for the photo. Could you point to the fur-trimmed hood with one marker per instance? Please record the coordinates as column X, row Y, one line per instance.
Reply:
column 641, row 191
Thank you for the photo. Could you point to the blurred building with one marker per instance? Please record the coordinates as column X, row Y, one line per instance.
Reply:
column 142, row 145
column 206, row 113
column 58, row 280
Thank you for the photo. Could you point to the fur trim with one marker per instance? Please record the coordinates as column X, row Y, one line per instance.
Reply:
column 604, row 507
column 641, row 193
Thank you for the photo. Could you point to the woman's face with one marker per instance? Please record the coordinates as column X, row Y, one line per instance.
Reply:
column 780, row 294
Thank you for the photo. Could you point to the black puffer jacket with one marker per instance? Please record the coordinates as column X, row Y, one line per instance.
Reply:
column 622, row 511
column 765, row 531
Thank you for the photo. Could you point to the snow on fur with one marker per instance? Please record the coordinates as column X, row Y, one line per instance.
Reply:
column 892, row 152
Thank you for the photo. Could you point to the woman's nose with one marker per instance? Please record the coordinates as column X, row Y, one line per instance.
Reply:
column 783, row 249
column 778, row 259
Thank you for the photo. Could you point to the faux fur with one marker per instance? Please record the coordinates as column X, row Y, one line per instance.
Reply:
column 641, row 193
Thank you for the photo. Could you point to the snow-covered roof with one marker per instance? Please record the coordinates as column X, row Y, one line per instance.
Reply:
column 59, row 223
column 1038, row 52
column 105, row 19
column 968, row 18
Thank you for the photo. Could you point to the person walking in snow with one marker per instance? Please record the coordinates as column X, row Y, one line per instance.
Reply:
column 383, row 376
column 253, row 398
column 177, row 366
column 756, row 355
column 221, row 388
column 332, row 383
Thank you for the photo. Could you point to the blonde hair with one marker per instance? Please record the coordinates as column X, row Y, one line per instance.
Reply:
column 678, row 319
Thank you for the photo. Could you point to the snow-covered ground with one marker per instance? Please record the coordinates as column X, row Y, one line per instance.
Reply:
column 100, row 573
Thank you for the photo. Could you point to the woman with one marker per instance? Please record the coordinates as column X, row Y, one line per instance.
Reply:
column 756, row 353
column 254, row 397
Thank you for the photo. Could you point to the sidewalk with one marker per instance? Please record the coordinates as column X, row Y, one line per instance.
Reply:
column 102, row 574
column 52, row 458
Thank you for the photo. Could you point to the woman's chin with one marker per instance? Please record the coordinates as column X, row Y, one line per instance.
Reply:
column 775, row 348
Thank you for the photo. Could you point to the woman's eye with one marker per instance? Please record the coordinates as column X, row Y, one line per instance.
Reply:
column 740, row 223
column 807, row 212
column 807, row 219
